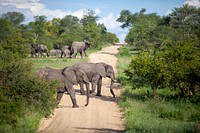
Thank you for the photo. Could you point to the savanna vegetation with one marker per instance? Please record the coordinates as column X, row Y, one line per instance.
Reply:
column 161, row 79
column 25, row 99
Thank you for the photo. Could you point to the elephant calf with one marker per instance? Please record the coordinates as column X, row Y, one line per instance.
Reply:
column 68, row 76
column 55, row 52
column 65, row 51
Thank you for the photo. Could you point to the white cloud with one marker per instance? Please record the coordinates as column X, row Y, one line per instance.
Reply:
column 97, row 11
column 193, row 2
column 110, row 21
column 31, row 8
column 113, row 26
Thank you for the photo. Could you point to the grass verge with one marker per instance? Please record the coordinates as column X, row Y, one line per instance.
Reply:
column 162, row 114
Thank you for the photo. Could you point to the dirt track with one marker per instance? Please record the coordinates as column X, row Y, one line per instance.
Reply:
column 102, row 115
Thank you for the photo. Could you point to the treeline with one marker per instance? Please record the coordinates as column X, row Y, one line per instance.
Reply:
column 58, row 32
column 24, row 99
column 169, row 47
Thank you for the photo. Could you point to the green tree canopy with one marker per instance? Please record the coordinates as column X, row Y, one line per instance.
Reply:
column 171, row 57
column 89, row 17
column 16, row 17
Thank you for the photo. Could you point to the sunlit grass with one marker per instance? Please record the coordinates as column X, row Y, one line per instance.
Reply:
column 163, row 114
column 57, row 62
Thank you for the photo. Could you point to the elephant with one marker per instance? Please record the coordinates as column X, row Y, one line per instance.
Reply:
column 54, row 52
column 79, row 47
column 95, row 72
column 39, row 49
column 69, row 76
column 65, row 50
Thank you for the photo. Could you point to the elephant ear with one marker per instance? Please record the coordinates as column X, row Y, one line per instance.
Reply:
column 81, row 76
column 70, row 75
column 101, row 70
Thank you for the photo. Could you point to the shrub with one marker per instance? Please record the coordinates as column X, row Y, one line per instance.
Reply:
column 124, row 52
column 21, row 90
column 176, row 66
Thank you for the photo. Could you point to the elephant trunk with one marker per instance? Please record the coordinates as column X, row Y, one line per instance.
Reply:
column 111, row 88
column 114, row 80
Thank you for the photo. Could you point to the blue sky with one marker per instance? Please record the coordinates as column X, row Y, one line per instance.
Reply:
column 107, row 10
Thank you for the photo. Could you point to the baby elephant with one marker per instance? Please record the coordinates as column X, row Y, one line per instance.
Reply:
column 55, row 52
column 69, row 76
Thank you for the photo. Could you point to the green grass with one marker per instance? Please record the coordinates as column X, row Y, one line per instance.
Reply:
column 163, row 114
column 55, row 62
column 143, row 114
column 58, row 62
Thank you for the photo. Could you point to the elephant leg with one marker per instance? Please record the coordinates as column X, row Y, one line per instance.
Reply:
column 99, row 84
column 74, row 54
column 85, row 54
column 47, row 54
column 71, row 92
column 60, row 92
column 94, row 84
column 59, row 97
column 82, row 89
column 61, row 54
column 81, row 53
column 41, row 55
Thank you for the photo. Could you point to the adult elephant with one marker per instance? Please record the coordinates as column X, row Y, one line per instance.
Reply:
column 95, row 72
column 69, row 76
column 65, row 51
column 79, row 47
column 39, row 49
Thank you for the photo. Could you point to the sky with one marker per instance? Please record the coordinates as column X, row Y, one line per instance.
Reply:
column 107, row 10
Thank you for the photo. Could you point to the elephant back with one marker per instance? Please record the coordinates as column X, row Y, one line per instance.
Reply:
column 75, row 75
column 78, row 46
column 51, row 74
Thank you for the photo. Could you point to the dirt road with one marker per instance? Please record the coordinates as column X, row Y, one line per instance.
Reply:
column 102, row 115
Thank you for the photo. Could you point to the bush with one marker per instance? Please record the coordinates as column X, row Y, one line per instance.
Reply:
column 195, row 116
column 124, row 52
column 176, row 66
column 21, row 90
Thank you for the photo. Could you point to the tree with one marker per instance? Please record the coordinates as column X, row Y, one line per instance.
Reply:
column 187, row 18
column 15, row 17
column 93, row 34
column 111, row 38
column 125, row 18
column 38, row 27
column 89, row 17
column 70, row 30
column 69, row 21
column 11, row 38
column 171, row 58
column 142, row 27
column 55, row 27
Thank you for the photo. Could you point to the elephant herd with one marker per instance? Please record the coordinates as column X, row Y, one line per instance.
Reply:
column 66, row 51
column 79, row 74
